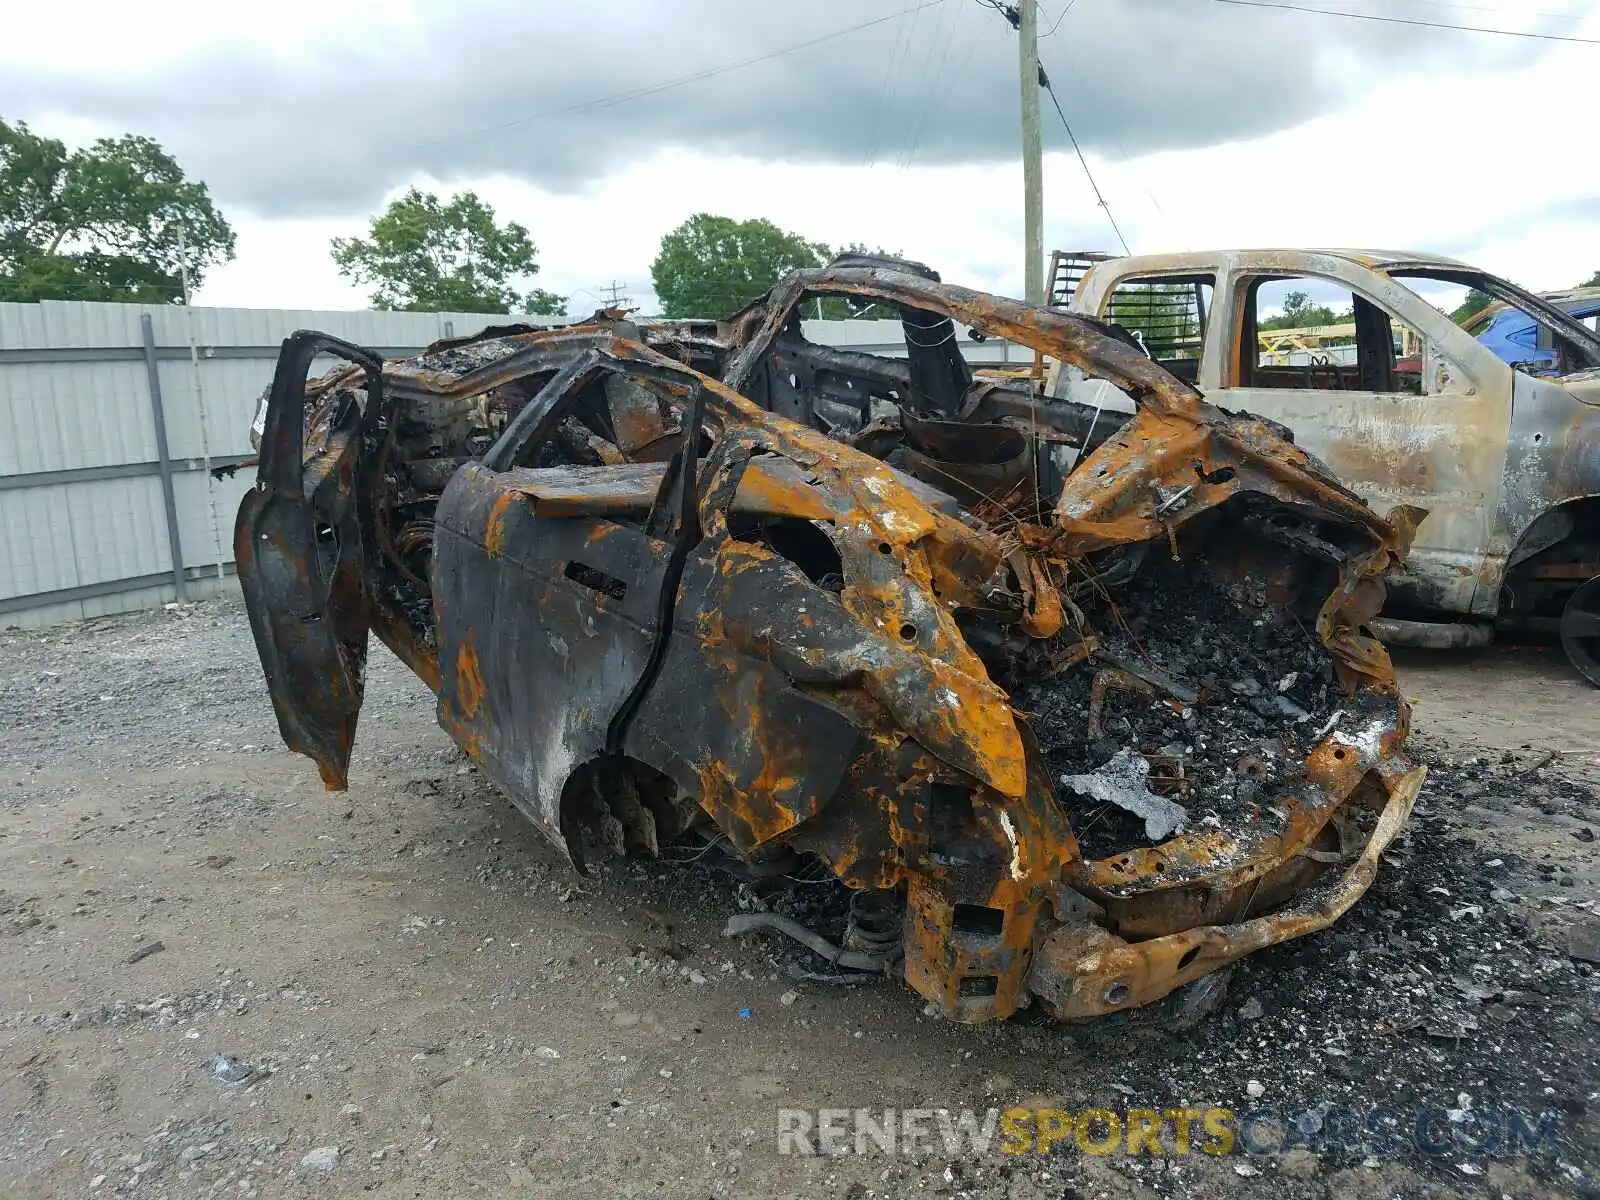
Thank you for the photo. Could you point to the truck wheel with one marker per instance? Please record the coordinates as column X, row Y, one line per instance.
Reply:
column 1580, row 630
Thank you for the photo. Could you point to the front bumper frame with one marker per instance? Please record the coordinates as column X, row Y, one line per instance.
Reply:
column 1082, row 970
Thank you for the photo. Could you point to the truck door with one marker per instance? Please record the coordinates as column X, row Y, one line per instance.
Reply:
column 1387, row 406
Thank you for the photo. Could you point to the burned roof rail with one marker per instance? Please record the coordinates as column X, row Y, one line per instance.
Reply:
column 1063, row 336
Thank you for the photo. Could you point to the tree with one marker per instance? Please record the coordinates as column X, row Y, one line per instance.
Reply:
column 1300, row 313
column 1165, row 316
column 1592, row 281
column 1474, row 304
column 848, row 308
column 710, row 266
column 424, row 256
column 111, row 221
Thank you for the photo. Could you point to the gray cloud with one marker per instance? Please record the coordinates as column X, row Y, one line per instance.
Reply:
column 1582, row 210
column 505, row 87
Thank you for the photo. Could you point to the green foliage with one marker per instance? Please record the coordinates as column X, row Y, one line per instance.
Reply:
column 1162, row 314
column 424, row 256
column 711, row 266
column 844, row 308
column 1592, row 281
column 1474, row 304
column 111, row 221
column 1300, row 313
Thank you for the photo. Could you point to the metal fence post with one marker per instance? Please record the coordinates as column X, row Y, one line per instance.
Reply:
column 163, row 458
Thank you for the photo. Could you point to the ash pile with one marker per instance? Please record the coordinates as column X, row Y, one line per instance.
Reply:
column 1197, row 706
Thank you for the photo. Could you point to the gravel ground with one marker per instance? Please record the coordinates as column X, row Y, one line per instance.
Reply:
column 220, row 980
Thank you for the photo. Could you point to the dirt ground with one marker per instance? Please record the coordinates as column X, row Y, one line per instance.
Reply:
column 402, row 990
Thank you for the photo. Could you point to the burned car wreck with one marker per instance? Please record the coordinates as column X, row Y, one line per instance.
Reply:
column 1081, row 703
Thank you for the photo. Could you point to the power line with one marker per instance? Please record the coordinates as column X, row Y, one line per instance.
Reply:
column 695, row 77
column 1071, row 4
column 917, row 86
column 960, row 68
column 1010, row 14
column 932, row 90
column 1499, row 12
column 1061, row 18
column 902, row 33
column 1334, row 12
column 1044, row 82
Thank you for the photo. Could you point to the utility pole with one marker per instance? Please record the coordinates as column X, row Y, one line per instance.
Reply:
column 616, row 299
column 1032, row 151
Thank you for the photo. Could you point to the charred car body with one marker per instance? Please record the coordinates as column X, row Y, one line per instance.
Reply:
column 928, row 627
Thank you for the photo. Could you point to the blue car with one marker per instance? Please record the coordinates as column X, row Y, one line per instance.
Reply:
column 1515, row 336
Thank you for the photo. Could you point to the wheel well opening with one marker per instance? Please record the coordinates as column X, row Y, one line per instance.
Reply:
column 1556, row 554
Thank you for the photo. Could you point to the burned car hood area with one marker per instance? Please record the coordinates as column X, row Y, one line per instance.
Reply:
column 1080, row 705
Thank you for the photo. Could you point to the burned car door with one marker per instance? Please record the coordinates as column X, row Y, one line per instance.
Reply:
column 547, row 583
column 1432, row 437
column 298, row 544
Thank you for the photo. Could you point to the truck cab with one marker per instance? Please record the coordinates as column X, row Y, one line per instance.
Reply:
column 1402, row 404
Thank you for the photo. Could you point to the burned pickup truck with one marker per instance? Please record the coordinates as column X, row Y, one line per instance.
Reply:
column 1083, row 710
column 1502, row 450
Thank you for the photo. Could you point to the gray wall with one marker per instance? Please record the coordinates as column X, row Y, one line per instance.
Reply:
column 84, row 513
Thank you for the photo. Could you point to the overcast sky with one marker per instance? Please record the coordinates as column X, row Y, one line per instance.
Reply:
column 602, row 127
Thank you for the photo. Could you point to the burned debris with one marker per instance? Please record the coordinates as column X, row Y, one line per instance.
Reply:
column 1080, row 705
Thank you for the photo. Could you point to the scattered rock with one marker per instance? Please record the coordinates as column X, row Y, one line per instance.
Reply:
column 229, row 1069
column 320, row 1161
column 1583, row 941
column 145, row 951
column 1344, row 1016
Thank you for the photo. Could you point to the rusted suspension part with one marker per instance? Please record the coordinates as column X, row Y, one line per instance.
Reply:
column 876, row 923
column 1104, row 682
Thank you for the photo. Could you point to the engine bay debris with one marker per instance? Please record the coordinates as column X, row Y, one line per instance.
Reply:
column 1079, row 705
column 1125, row 782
